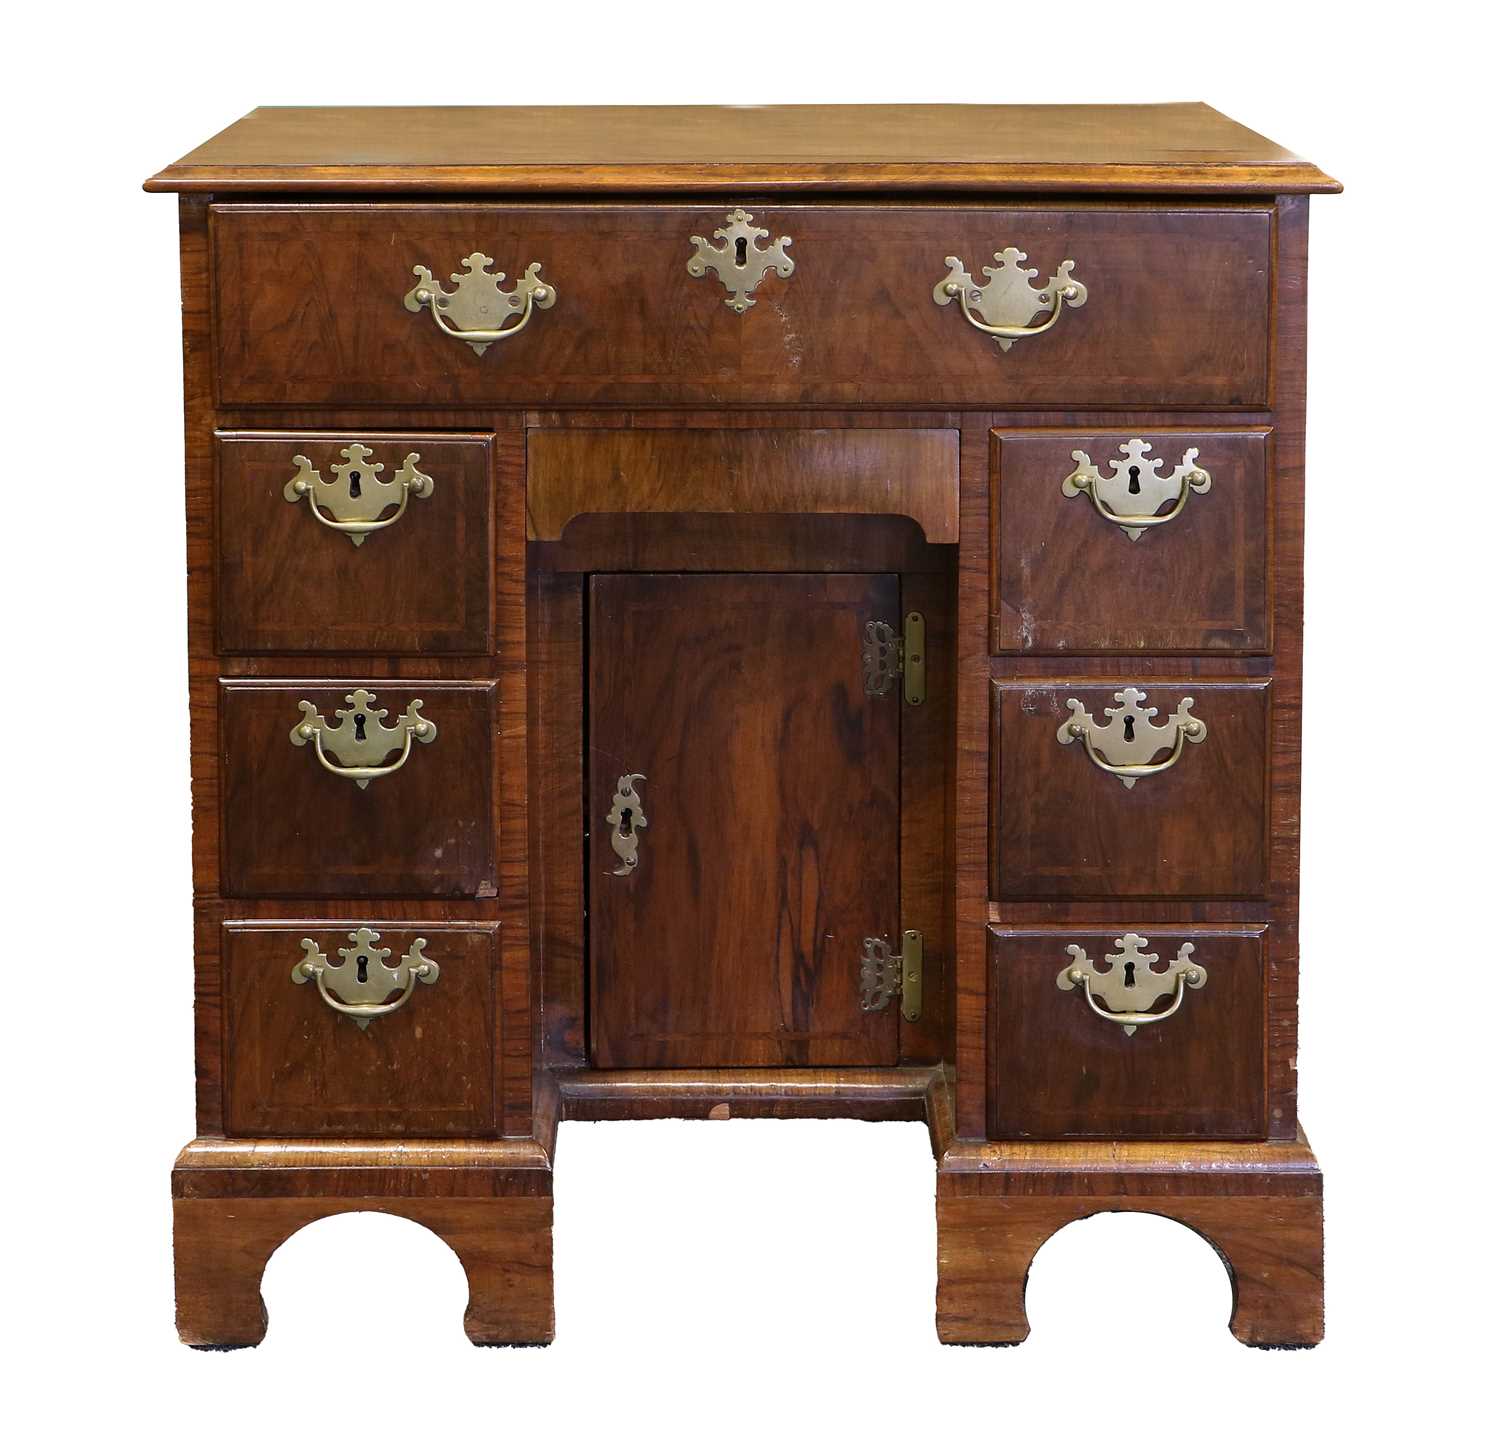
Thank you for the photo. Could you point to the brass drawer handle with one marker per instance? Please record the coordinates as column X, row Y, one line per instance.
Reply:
column 1131, row 986
column 358, row 496
column 363, row 980
column 478, row 304
column 1004, row 307
column 1125, row 744
column 1133, row 484
column 361, row 742
column 625, row 819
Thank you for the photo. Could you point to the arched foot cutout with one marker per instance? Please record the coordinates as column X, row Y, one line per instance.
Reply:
column 1271, row 1245
column 221, row 1246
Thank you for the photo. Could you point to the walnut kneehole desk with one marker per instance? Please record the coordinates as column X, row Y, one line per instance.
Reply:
column 788, row 612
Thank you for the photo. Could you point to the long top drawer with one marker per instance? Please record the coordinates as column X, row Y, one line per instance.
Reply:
column 1169, row 305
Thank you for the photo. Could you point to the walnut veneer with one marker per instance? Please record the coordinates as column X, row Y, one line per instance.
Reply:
column 549, row 761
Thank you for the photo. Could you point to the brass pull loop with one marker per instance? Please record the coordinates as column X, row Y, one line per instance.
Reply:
column 362, row 978
column 478, row 302
column 362, row 741
column 625, row 819
column 357, row 496
column 1134, row 481
column 1004, row 307
column 1125, row 745
column 1131, row 986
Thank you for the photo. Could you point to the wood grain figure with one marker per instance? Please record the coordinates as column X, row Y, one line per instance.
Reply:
column 653, row 526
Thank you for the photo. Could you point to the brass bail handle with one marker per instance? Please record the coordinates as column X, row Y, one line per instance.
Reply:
column 1131, row 986
column 479, row 311
column 359, row 747
column 360, row 983
column 1004, row 307
column 1189, row 978
column 354, row 502
column 1135, row 484
column 1127, row 744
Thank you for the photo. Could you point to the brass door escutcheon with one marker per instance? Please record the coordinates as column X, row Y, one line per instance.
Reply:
column 478, row 307
column 361, row 982
column 625, row 819
column 358, row 746
column 1131, row 986
column 1133, row 491
column 357, row 496
column 738, row 259
column 1004, row 307
column 1126, row 744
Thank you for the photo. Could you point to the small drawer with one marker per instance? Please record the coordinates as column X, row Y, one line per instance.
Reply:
column 1191, row 823
column 1077, row 569
column 298, row 1063
column 1163, row 306
column 1191, row 1066
column 387, row 788
column 354, row 543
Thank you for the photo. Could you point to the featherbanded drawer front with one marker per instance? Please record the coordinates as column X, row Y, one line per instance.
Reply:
column 360, row 1028
column 358, row 788
column 358, row 542
column 1127, row 1034
column 1092, row 304
column 1135, row 789
column 1150, row 541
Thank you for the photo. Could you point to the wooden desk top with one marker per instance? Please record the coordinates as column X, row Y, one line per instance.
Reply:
column 1178, row 148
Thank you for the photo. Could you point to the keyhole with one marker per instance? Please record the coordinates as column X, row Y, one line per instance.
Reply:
column 626, row 813
column 1130, row 975
column 362, row 968
column 359, row 726
column 1129, row 728
column 740, row 253
column 354, row 483
column 1135, row 480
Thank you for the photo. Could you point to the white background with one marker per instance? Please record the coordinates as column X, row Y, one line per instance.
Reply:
column 746, row 1284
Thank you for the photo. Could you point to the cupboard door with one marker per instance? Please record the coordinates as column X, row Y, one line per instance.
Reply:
column 767, row 825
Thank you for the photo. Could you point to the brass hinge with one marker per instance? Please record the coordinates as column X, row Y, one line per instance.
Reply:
column 886, row 655
column 882, row 970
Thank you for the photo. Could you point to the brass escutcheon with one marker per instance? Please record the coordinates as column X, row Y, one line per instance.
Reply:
column 625, row 819
column 738, row 259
